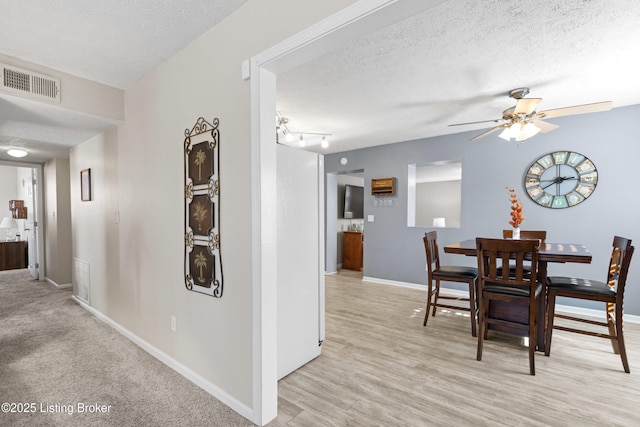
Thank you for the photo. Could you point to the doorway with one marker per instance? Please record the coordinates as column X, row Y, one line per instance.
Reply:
column 354, row 21
column 21, row 183
column 345, row 207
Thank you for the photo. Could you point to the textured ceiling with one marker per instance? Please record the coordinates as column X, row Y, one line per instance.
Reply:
column 113, row 42
column 457, row 62
column 453, row 63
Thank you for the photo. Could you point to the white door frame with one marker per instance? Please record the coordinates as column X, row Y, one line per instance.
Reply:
column 38, row 200
column 361, row 18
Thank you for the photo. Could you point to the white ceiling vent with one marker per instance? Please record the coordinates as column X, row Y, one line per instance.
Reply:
column 29, row 84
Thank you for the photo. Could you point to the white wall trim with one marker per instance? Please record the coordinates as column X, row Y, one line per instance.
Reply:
column 58, row 286
column 263, row 244
column 198, row 380
column 354, row 21
column 567, row 309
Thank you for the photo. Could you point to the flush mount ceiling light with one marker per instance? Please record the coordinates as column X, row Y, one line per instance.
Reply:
column 16, row 152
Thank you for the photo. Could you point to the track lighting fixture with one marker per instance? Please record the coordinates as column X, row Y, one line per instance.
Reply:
column 288, row 134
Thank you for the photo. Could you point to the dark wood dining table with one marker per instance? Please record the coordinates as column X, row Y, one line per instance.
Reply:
column 548, row 252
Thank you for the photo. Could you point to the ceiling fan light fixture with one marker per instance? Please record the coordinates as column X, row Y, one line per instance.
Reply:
column 519, row 131
column 324, row 142
column 507, row 133
column 16, row 152
column 528, row 130
column 522, row 121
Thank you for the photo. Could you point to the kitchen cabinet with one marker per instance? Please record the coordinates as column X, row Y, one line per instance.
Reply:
column 352, row 250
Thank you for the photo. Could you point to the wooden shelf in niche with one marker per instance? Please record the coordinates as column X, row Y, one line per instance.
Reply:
column 18, row 210
column 383, row 187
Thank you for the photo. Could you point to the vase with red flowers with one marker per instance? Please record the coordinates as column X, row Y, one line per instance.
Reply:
column 516, row 212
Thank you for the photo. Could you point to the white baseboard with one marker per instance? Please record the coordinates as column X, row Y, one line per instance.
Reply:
column 186, row 372
column 58, row 286
column 567, row 309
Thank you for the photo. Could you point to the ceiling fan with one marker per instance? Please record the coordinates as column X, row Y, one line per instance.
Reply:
column 521, row 121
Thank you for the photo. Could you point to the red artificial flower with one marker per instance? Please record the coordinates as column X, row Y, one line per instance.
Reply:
column 517, row 216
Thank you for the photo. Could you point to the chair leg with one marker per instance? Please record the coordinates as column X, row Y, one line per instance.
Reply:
column 481, row 328
column 435, row 298
column 486, row 315
column 472, row 307
column 533, row 331
column 551, row 308
column 426, row 312
column 611, row 324
column 620, row 341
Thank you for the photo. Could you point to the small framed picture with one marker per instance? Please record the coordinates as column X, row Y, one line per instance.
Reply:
column 85, row 185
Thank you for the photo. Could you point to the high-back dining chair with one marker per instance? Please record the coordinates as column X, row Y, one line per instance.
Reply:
column 447, row 273
column 539, row 235
column 508, row 288
column 610, row 292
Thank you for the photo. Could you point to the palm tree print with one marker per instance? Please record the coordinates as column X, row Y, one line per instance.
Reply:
column 201, row 156
column 200, row 262
column 199, row 214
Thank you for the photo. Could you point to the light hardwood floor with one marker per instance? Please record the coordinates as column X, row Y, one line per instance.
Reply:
column 380, row 367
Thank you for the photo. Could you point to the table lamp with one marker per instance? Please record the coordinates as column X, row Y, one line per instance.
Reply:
column 9, row 224
column 439, row 222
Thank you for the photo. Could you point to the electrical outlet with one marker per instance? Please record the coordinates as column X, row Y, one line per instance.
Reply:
column 173, row 323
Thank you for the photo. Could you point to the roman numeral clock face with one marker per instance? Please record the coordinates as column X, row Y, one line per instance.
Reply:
column 561, row 179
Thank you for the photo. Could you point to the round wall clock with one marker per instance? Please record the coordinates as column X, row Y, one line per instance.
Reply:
column 561, row 179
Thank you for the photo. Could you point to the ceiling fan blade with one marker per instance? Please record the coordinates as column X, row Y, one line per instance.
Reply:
column 576, row 109
column 473, row 123
column 544, row 126
column 526, row 106
column 490, row 131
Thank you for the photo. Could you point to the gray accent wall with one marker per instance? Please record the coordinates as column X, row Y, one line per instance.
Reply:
column 395, row 252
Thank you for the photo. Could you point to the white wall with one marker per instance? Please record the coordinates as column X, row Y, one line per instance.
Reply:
column 92, row 98
column 57, row 222
column 438, row 199
column 96, row 235
column 395, row 252
column 23, row 190
column 137, row 265
column 8, row 191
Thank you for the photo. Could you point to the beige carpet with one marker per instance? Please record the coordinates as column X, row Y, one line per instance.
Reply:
column 67, row 368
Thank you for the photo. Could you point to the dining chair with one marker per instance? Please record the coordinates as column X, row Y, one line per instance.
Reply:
column 437, row 273
column 610, row 292
column 514, row 292
column 539, row 235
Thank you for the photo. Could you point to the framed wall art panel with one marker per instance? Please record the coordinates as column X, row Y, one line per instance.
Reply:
column 85, row 185
column 202, row 256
